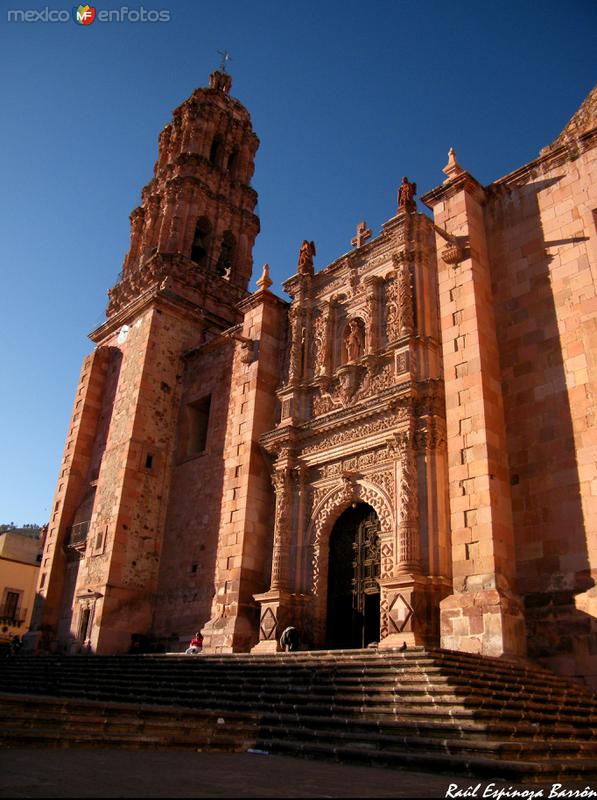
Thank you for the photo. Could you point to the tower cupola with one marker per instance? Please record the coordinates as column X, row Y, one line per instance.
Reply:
column 197, row 220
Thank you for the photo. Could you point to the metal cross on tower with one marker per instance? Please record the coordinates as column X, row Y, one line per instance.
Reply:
column 225, row 58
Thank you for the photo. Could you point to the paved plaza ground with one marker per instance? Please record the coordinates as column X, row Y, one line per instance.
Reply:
column 118, row 773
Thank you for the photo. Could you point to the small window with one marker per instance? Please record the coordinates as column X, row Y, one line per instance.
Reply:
column 232, row 163
column 200, row 247
column 198, row 421
column 11, row 604
column 226, row 257
column 194, row 568
column 216, row 150
column 149, row 461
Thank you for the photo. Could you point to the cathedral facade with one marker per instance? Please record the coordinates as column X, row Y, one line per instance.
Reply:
column 405, row 452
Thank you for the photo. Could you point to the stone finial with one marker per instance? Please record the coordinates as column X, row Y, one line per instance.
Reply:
column 452, row 168
column 264, row 281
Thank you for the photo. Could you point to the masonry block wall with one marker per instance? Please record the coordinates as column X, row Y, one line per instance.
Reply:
column 519, row 305
column 73, row 484
column 243, row 562
column 484, row 614
column 543, row 242
column 186, row 583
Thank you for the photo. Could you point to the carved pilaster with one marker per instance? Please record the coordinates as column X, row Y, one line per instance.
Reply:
column 282, row 481
column 298, row 345
column 405, row 294
column 372, row 283
column 409, row 559
column 322, row 342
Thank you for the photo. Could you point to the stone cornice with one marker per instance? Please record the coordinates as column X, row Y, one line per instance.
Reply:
column 462, row 182
column 152, row 295
column 558, row 155
column 259, row 297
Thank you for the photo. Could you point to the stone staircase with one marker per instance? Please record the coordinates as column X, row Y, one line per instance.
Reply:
column 422, row 709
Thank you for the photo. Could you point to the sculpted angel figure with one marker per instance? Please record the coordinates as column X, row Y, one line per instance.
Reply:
column 305, row 262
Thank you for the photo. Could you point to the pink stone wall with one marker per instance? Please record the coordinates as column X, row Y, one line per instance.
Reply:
column 543, row 244
column 186, row 582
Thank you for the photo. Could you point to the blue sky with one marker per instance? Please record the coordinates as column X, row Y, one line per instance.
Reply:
column 346, row 98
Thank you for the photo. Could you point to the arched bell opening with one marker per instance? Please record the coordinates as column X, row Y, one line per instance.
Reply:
column 201, row 239
column 353, row 595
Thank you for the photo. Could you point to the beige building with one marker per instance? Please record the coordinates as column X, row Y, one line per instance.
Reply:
column 404, row 452
column 20, row 556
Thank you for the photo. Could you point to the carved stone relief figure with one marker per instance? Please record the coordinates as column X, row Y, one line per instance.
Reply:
column 406, row 195
column 353, row 342
column 305, row 261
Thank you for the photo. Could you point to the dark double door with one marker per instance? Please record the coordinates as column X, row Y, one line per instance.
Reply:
column 353, row 590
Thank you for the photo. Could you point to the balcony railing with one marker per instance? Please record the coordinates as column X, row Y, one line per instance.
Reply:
column 76, row 536
column 9, row 615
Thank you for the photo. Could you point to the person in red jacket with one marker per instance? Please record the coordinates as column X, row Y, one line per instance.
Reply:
column 196, row 644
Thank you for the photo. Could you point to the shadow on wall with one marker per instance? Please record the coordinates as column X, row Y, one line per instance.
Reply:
column 74, row 636
column 188, row 560
column 552, row 558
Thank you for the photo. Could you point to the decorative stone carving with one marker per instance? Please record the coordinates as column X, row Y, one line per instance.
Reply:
column 408, row 535
column 267, row 624
column 352, row 432
column 385, row 479
column 264, row 281
column 363, row 233
column 406, row 196
column 452, row 253
column 353, row 341
column 376, row 381
column 392, row 313
column 405, row 299
column 333, row 504
column 305, row 262
column 297, row 355
column 282, row 483
column 387, row 559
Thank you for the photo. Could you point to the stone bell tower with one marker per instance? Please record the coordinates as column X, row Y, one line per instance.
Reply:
column 187, row 269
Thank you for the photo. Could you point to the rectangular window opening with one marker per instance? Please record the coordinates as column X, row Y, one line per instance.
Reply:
column 198, row 424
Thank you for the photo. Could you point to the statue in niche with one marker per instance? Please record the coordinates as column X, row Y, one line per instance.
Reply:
column 305, row 262
column 406, row 195
column 354, row 342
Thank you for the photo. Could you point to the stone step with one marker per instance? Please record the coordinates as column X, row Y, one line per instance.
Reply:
column 434, row 726
column 388, row 679
column 502, row 749
column 176, row 692
column 49, row 720
column 520, row 771
column 582, row 725
column 416, row 683
column 431, row 710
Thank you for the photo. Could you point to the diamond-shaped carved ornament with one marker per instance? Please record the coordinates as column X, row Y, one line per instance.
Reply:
column 399, row 613
column 268, row 624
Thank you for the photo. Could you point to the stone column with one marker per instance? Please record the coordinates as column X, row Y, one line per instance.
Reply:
column 276, row 603
column 373, row 283
column 403, row 594
column 282, row 482
column 244, row 543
